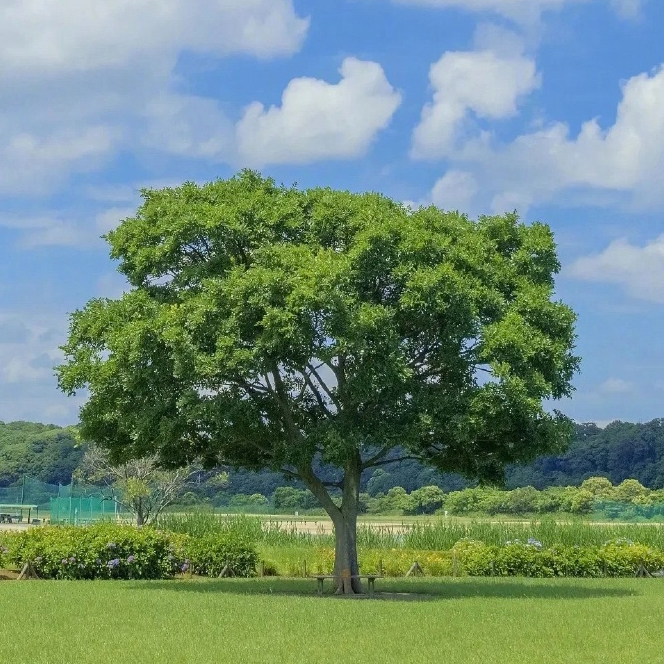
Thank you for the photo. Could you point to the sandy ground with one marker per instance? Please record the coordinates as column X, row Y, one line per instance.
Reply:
column 324, row 526
column 14, row 526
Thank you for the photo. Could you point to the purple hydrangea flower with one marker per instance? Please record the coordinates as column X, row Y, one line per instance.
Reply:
column 185, row 567
column 111, row 545
column 64, row 561
column 131, row 559
column 72, row 559
column 113, row 563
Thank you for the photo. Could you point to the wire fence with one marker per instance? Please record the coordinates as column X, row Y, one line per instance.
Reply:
column 66, row 503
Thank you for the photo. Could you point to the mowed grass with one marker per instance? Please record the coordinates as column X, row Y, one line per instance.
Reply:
column 282, row 620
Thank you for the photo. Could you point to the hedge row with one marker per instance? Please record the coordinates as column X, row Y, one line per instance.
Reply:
column 473, row 558
column 110, row 551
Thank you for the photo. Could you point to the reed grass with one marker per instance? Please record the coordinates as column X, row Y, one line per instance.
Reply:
column 436, row 534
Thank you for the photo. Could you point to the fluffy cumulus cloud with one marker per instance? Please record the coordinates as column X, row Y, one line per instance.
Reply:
column 638, row 270
column 621, row 163
column 473, row 84
column 627, row 157
column 318, row 119
column 81, row 79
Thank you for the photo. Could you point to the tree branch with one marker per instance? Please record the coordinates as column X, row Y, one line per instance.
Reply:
column 368, row 463
column 326, row 389
column 282, row 398
column 317, row 395
column 384, row 462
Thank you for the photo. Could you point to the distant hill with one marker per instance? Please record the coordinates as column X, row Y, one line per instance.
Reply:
column 44, row 451
column 620, row 451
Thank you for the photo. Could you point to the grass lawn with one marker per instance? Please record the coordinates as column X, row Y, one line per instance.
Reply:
column 282, row 620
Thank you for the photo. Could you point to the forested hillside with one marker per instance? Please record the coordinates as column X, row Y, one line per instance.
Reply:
column 43, row 451
column 620, row 451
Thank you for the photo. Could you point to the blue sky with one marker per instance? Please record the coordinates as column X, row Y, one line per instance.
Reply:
column 554, row 108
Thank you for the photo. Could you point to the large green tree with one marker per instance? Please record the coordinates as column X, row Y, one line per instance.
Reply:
column 268, row 326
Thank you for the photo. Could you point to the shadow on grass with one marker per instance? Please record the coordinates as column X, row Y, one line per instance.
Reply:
column 400, row 590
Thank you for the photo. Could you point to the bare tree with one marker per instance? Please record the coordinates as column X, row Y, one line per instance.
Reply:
column 139, row 485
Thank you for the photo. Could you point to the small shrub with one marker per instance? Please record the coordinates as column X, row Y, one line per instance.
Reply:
column 208, row 555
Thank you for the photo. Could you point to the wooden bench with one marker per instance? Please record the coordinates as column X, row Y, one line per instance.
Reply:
column 371, row 578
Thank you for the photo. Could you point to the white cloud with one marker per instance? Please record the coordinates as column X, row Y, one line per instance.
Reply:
column 318, row 120
column 520, row 11
column 33, row 164
column 638, row 270
column 628, row 9
column 82, row 79
column 627, row 157
column 40, row 37
column 110, row 218
column 112, row 285
column 188, row 126
column 13, row 331
column 622, row 165
column 28, row 388
column 616, row 386
column 59, row 229
column 456, row 190
column 486, row 83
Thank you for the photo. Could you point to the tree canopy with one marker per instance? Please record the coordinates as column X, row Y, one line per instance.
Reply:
column 268, row 326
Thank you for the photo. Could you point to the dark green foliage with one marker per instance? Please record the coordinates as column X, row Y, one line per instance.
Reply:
column 270, row 327
column 289, row 498
column 43, row 451
column 620, row 451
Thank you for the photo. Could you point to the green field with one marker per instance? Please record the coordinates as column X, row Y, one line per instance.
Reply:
column 279, row 620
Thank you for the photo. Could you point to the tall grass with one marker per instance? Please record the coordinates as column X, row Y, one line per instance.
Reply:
column 434, row 535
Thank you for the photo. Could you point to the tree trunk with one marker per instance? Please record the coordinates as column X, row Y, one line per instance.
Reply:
column 345, row 531
column 344, row 519
column 345, row 551
column 140, row 517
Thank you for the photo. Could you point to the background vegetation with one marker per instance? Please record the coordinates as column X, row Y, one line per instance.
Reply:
column 620, row 451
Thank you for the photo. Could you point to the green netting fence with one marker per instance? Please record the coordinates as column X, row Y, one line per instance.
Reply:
column 80, row 510
column 67, row 503
column 623, row 511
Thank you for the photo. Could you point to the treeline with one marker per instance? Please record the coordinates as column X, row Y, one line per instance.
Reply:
column 620, row 451
column 629, row 499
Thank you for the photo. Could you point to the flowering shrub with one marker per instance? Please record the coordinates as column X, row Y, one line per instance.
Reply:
column 109, row 551
column 102, row 551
